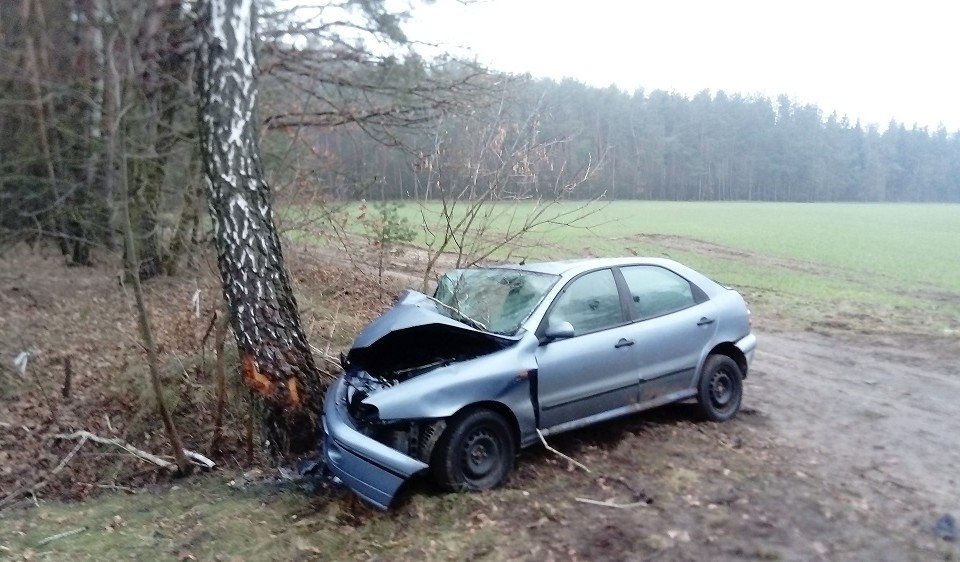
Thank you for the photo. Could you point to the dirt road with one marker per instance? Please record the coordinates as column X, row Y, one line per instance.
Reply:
column 873, row 414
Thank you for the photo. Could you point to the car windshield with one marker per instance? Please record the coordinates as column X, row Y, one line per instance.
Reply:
column 497, row 299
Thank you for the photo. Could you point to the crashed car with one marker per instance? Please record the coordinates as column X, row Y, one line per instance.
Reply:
column 500, row 357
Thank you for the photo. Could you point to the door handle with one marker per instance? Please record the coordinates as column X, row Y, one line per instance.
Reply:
column 704, row 321
column 624, row 342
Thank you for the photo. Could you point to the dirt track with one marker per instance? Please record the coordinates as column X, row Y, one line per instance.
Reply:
column 875, row 415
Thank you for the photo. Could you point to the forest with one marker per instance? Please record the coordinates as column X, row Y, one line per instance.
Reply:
column 660, row 145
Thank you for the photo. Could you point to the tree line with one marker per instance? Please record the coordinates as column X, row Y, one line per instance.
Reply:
column 665, row 146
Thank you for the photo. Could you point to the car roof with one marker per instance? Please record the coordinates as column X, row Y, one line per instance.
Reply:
column 568, row 268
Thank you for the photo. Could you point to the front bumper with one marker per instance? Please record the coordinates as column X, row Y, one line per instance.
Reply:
column 369, row 468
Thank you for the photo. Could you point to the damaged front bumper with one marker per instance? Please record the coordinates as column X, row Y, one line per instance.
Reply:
column 369, row 468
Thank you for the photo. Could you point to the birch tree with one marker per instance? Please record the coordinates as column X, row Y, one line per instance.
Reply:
column 274, row 354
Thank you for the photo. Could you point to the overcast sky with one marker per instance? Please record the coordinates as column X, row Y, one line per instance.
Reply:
column 869, row 60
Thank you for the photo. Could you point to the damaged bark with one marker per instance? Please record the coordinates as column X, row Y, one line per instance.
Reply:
column 275, row 357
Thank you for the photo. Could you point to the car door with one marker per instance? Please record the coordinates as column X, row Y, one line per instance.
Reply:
column 595, row 370
column 673, row 323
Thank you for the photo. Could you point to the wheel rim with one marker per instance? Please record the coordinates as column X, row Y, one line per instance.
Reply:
column 481, row 454
column 721, row 388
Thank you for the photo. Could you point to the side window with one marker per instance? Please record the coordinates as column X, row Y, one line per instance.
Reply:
column 590, row 303
column 655, row 291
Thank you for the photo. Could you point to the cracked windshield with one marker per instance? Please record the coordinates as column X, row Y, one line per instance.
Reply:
column 499, row 300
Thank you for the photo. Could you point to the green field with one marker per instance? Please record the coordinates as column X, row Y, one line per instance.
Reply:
column 868, row 266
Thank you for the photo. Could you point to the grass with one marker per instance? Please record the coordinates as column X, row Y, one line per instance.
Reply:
column 802, row 263
column 204, row 519
column 691, row 487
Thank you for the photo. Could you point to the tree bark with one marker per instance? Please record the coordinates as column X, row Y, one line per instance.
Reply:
column 274, row 354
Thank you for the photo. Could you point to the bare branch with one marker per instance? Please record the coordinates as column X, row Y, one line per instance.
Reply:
column 563, row 456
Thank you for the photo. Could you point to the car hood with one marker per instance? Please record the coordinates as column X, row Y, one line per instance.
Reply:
column 414, row 336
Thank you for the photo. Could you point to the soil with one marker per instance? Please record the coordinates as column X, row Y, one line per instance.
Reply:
column 847, row 447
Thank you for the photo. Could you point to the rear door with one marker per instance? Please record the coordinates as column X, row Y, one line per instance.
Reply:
column 673, row 322
column 596, row 370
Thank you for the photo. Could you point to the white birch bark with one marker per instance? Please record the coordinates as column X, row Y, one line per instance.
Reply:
column 275, row 357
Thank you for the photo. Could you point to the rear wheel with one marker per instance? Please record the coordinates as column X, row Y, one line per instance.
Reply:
column 475, row 452
column 721, row 388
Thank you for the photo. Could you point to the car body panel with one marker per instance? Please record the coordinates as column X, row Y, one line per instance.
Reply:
column 671, row 349
column 374, row 471
column 543, row 386
column 568, row 391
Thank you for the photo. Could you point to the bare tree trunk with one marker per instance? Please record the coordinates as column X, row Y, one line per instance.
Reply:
column 146, row 333
column 189, row 215
column 34, row 63
column 274, row 354
column 92, row 13
column 149, row 169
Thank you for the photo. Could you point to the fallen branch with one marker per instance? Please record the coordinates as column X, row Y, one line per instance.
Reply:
column 195, row 457
column 611, row 504
column 199, row 459
column 59, row 536
column 556, row 452
column 116, row 442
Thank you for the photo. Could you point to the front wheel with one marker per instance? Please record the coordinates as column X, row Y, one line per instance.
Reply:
column 475, row 453
column 721, row 388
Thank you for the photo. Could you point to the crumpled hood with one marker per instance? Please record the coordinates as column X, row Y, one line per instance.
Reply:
column 414, row 334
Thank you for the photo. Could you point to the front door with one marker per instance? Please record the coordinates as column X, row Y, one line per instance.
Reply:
column 595, row 370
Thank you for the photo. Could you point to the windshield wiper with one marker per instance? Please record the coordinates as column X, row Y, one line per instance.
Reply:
column 461, row 316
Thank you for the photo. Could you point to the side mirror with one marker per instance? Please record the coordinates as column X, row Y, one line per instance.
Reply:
column 558, row 331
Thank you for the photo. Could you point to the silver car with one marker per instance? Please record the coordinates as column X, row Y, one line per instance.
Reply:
column 499, row 356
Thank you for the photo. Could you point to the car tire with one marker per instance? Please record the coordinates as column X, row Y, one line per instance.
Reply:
column 720, row 391
column 475, row 452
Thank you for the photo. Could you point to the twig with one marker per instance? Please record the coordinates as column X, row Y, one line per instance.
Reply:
column 333, row 328
column 59, row 536
column 206, row 334
column 220, row 372
column 116, row 487
column 330, row 359
column 67, row 378
column 43, row 481
column 556, row 452
column 611, row 504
